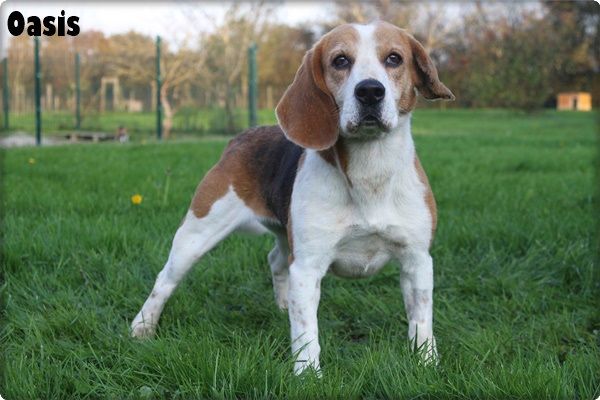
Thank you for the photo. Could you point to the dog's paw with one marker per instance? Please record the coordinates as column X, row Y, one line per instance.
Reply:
column 428, row 354
column 141, row 328
column 281, row 296
column 304, row 367
column 282, row 302
column 143, row 331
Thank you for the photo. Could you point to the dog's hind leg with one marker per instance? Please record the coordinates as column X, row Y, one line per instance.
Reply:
column 194, row 238
column 278, row 260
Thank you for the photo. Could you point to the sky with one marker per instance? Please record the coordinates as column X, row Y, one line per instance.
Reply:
column 171, row 20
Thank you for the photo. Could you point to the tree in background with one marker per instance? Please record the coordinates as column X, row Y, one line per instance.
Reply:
column 225, row 51
column 574, row 25
column 280, row 54
column 501, row 57
column 399, row 13
column 20, row 74
column 94, row 50
column 57, row 68
column 133, row 56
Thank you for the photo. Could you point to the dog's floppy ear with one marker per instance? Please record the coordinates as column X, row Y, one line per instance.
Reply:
column 307, row 112
column 425, row 75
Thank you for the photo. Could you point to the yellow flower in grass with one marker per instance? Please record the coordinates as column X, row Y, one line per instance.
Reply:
column 31, row 161
column 136, row 199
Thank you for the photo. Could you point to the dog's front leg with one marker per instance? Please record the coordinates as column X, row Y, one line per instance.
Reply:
column 303, row 302
column 416, row 281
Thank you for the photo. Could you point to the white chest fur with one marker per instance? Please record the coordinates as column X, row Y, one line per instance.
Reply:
column 355, row 224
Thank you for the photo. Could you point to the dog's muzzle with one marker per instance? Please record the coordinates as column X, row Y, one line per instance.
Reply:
column 370, row 94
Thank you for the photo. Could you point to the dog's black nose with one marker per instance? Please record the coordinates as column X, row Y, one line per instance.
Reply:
column 369, row 92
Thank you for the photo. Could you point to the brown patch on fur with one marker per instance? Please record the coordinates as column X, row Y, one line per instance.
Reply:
column 407, row 101
column 240, row 155
column 343, row 40
column 429, row 199
column 229, row 171
column 426, row 76
column 417, row 70
column 211, row 188
column 329, row 155
column 240, row 168
column 390, row 38
column 307, row 112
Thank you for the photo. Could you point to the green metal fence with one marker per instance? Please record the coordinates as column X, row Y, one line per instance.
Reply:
column 102, row 103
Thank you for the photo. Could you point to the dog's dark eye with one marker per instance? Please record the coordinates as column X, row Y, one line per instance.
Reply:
column 393, row 60
column 341, row 62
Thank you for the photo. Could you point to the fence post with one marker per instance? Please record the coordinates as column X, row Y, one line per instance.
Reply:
column 252, row 86
column 77, row 93
column 5, row 96
column 38, row 89
column 158, row 85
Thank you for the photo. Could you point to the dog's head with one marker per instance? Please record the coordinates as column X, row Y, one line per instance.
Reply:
column 356, row 82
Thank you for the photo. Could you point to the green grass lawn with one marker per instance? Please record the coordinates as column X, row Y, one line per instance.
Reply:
column 194, row 121
column 516, row 303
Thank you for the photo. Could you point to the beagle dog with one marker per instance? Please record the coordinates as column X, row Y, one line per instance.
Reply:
column 337, row 182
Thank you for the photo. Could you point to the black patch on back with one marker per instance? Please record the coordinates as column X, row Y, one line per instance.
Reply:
column 276, row 166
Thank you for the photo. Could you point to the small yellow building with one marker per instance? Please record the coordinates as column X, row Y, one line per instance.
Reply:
column 578, row 101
